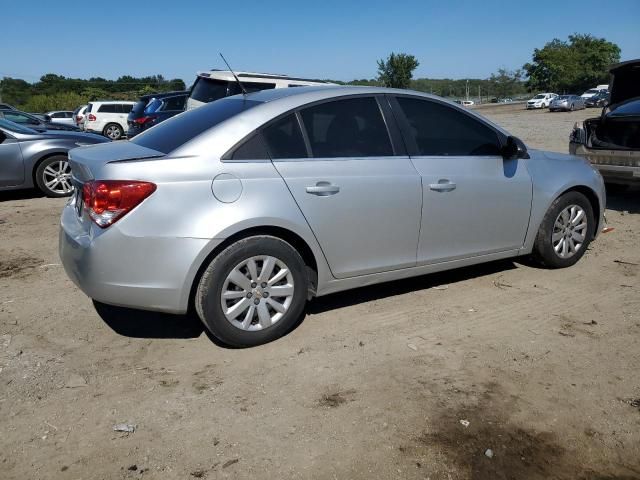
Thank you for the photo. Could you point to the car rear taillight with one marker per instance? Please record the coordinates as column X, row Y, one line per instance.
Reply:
column 145, row 119
column 91, row 117
column 107, row 201
column 78, row 118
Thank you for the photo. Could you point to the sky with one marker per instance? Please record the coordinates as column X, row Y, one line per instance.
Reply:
column 340, row 40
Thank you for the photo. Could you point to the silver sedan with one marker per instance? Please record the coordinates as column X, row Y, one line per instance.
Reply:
column 567, row 103
column 245, row 208
column 38, row 159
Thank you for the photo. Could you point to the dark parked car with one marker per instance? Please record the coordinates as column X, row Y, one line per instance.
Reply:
column 611, row 142
column 6, row 106
column 598, row 100
column 38, row 159
column 32, row 121
column 153, row 109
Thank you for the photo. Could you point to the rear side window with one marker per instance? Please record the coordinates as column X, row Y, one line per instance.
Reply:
column 234, row 88
column 347, row 128
column 439, row 129
column 284, row 139
column 207, row 90
column 252, row 149
column 107, row 108
column 175, row 132
column 124, row 108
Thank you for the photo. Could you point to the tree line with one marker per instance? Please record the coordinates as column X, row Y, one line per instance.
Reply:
column 56, row 92
column 570, row 66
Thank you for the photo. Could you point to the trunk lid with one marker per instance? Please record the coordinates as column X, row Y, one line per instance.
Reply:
column 625, row 82
column 86, row 162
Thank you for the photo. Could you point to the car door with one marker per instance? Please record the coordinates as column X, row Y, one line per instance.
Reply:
column 474, row 201
column 361, row 199
column 11, row 163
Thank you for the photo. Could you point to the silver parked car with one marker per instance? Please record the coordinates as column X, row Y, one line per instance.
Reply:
column 567, row 103
column 250, row 205
column 38, row 159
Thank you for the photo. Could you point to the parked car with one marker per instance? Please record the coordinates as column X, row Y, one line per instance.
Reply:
column 567, row 103
column 62, row 116
column 78, row 116
column 611, row 142
column 29, row 158
column 108, row 118
column 467, row 103
column 315, row 190
column 594, row 91
column 34, row 122
column 153, row 109
column 542, row 100
column 598, row 100
column 216, row 84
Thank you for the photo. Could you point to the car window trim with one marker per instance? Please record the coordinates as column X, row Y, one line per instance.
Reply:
column 403, row 123
column 226, row 157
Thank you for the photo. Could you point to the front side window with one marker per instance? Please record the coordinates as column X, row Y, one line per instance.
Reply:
column 208, row 90
column 352, row 127
column 174, row 103
column 438, row 129
column 284, row 138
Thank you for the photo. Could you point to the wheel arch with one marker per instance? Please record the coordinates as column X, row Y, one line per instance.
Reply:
column 295, row 240
column 36, row 164
column 593, row 200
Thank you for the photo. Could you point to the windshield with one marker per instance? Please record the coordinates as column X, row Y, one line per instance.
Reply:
column 175, row 132
column 14, row 127
column 207, row 90
column 539, row 96
column 564, row 97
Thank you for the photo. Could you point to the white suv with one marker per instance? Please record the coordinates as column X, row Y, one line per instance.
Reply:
column 542, row 100
column 216, row 84
column 108, row 118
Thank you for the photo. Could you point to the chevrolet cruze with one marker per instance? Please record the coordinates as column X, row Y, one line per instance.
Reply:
column 246, row 207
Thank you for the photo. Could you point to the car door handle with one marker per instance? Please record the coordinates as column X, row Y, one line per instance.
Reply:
column 323, row 189
column 443, row 186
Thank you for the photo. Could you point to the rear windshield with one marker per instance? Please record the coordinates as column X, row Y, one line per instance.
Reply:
column 207, row 90
column 89, row 107
column 138, row 108
column 175, row 132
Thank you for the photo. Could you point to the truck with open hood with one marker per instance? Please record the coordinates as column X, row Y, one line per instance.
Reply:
column 611, row 142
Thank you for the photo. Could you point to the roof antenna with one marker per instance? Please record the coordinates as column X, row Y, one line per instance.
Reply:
column 244, row 92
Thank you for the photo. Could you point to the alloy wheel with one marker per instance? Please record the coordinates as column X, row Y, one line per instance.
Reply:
column 113, row 132
column 257, row 293
column 569, row 231
column 57, row 177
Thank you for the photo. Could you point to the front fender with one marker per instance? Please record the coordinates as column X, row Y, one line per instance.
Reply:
column 552, row 175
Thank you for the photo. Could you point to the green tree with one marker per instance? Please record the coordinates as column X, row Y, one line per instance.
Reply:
column 397, row 70
column 571, row 66
column 505, row 83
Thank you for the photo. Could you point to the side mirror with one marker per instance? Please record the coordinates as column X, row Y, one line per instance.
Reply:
column 47, row 118
column 514, row 148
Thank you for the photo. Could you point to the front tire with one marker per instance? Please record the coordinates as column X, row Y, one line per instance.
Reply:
column 53, row 177
column 113, row 131
column 565, row 232
column 253, row 292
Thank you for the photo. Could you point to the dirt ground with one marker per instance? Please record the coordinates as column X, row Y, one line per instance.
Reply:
column 414, row 379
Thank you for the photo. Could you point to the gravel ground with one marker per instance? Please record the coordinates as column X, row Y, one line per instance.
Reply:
column 502, row 371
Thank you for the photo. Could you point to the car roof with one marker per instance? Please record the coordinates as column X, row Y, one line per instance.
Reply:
column 228, row 75
column 112, row 101
column 164, row 95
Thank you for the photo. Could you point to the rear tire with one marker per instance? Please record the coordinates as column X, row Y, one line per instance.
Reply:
column 565, row 232
column 53, row 177
column 240, row 298
column 113, row 131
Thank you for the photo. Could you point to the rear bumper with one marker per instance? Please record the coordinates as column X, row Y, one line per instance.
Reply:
column 615, row 166
column 133, row 131
column 148, row 273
